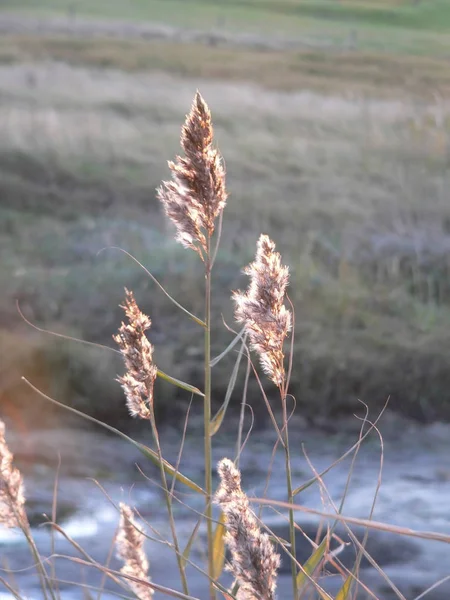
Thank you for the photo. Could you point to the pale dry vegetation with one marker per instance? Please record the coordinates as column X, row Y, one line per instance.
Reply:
column 194, row 200
column 356, row 189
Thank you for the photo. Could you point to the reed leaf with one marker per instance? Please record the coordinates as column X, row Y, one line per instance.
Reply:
column 311, row 564
column 145, row 450
column 344, row 592
column 217, row 420
column 180, row 384
column 219, row 547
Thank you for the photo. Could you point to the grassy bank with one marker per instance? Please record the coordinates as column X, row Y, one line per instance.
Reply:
column 340, row 154
column 339, row 183
column 323, row 70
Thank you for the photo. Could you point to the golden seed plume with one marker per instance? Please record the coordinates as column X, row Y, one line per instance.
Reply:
column 12, row 499
column 254, row 562
column 261, row 308
column 130, row 548
column 196, row 195
column 137, row 353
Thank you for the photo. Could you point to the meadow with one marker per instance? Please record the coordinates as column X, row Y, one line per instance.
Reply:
column 335, row 128
column 334, row 125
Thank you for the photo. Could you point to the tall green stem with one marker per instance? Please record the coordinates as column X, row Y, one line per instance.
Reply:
column 207, row 419
column 290, row 495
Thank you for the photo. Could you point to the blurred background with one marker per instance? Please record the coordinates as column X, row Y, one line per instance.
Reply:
column 334, row 121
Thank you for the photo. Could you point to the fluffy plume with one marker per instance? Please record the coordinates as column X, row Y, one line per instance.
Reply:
column 196, row 195
column 261, row 308
column 254, row 562
column 137, row 353
column 129, row 543
column 12, row 500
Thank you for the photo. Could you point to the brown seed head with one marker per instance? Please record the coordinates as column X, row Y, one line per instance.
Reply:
column 137, row 353
column 261, row 308
column 197, row 195
column 254, row 562
column 12, row 500
column 130, row 549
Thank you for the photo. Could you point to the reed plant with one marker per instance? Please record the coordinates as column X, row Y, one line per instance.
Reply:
column 194, row 201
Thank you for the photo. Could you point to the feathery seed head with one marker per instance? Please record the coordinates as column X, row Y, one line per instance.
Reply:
column 254, row 562
column 12, row 500
column 130, row 549
column 137, row 353
column 261, row 308
column 197, row 194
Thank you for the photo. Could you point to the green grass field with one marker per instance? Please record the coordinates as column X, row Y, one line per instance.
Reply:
column 431, row 15
column 413, row 25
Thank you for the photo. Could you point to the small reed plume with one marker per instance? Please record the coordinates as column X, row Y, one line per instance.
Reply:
column 137, row 353
column 261, row 308
column 254, row 562
column 12, row 500
column 129, row 543
column 197, row 195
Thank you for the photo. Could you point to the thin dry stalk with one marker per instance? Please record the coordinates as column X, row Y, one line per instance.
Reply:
column 137, row 353
column 197, row 194
column 261, row 308
column 130, row 549
column 254, row 561
column 138, row 383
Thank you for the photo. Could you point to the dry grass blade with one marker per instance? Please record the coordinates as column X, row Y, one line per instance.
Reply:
column 147, row 452
column 194, row 533
column 346, row 588
column 218, row 418
column 432, row 587
column 154, row 586
column 10, row 589
column 239, row 445
column 54, row 512
column 230, row 346
column 219, row 546
column 153, row 278
column 176, row 382
column 353, row 575
column 310, row 482
column 423, row 535
column 181, row 384
column 88, row 588
column 344, row 592
column 89, row 560
column 309, row 568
